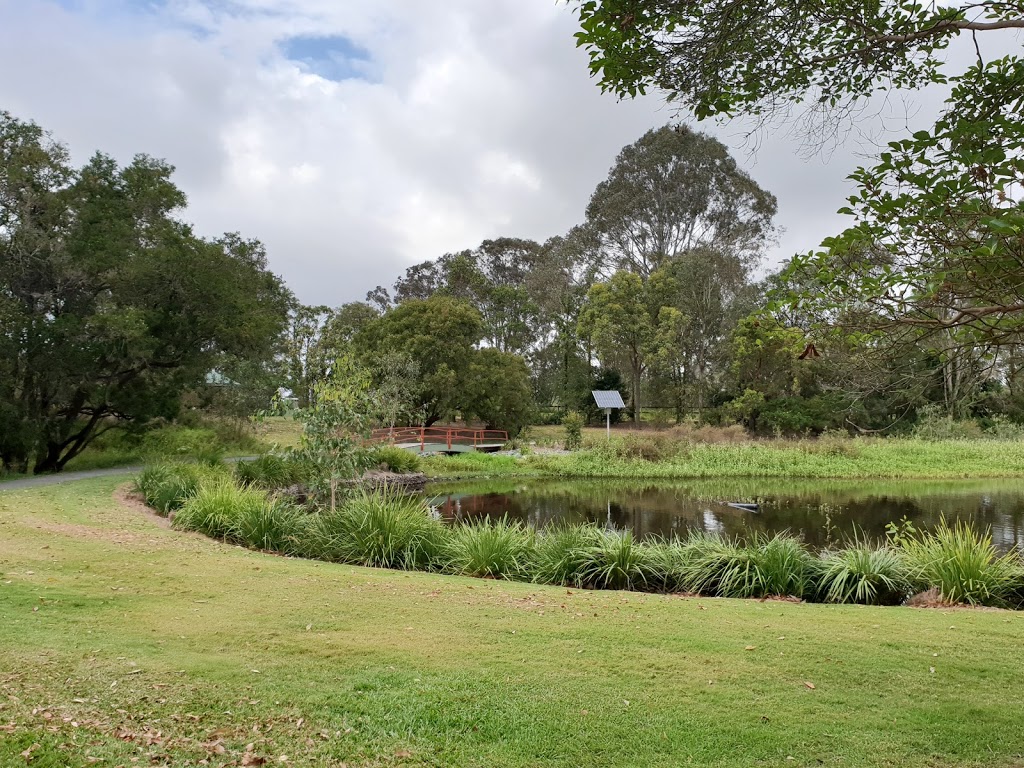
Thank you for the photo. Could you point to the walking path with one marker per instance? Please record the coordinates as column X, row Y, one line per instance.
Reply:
column 38, row 481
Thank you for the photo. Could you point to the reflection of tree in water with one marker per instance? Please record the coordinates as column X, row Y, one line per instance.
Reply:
column 822, row 512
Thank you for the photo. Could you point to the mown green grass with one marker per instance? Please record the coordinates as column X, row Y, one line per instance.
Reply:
column 838, row 459
column 123, row 639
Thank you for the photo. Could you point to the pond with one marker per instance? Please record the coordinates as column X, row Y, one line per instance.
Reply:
column 822, row 512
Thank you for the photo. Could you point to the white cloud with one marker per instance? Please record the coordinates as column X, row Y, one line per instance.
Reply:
column 465, row 121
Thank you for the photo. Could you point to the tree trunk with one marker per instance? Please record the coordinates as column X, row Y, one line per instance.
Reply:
column 637, row 374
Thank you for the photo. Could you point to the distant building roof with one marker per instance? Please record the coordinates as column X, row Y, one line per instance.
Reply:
column 218, row 379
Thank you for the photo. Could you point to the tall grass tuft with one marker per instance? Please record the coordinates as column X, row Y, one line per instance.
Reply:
column 383, row 529
column 963, row 565
column 862, row 573
column 499, row 549
column 768, row 566
column 619, row 561
column 272, row 526
column 270, row 471
column 217, row 507
column 564, row 553
column 166, row 487
column 396, row 459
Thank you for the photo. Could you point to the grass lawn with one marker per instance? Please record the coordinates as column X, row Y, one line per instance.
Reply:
column 128, row 643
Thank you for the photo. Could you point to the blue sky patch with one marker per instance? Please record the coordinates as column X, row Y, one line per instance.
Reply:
column 332, row 57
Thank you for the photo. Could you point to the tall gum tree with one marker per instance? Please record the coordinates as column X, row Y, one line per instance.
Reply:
column 933, row 256
column 674, row 190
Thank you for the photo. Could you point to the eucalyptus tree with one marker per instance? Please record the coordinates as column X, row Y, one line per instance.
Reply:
column 933, row 255
column 672, row 191
column 618, row 318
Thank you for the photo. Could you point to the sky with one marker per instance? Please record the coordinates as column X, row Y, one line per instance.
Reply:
column 357, row 138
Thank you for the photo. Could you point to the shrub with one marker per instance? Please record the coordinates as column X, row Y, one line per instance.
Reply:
column 166, row 487
column 964, row 565
column 396, row 459
column 618, row 561
column 1001, row 428
column 382, row 529
column 861, row 573
column 500, row 549
column 573, row 423
column 216, row 508
column 269, row 471
column 563, row 553
column 934, row 424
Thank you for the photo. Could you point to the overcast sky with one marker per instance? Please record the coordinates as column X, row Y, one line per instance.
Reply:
column 357, row 137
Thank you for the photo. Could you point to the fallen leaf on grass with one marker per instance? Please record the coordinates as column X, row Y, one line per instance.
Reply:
column 252, row 759
column 809, row 684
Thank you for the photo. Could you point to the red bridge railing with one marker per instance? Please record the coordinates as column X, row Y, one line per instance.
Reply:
column 447, row 436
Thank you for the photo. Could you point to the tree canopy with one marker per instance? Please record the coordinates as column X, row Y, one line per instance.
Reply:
column 727, row 58
column 110, row 306
column 674, row 190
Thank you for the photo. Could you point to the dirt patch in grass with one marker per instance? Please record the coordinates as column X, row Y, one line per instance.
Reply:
column 129, row 499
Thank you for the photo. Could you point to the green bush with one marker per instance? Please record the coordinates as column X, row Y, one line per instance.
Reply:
column 382, row 529
column 573, row 423
column 963, row 565
column 166, row 487
column 563, row 553
column 396, row 459
column 934, row 424
column 216, row 508
column 270, row 471
column 495, row 549
column 861, row 573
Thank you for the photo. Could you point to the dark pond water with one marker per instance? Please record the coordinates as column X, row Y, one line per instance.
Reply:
column 822, row 512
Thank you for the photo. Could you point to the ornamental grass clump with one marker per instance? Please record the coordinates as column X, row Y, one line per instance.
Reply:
column 618, row 561
column 963, row 565
column 501, row 549
column 382, row 529
column 273, row 526
column 166, row 487
column 767, row 566
column 862, row 573
column 563, row 553
column 395, row 459
column 270, row 471
column 217, row 507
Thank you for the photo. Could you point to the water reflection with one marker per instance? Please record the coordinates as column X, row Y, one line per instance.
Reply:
column 822, row 512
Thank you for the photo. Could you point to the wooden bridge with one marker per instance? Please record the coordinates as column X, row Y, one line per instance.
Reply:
column 441, row 439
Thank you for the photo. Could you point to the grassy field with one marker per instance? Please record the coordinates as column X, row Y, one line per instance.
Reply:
column 127, row 643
